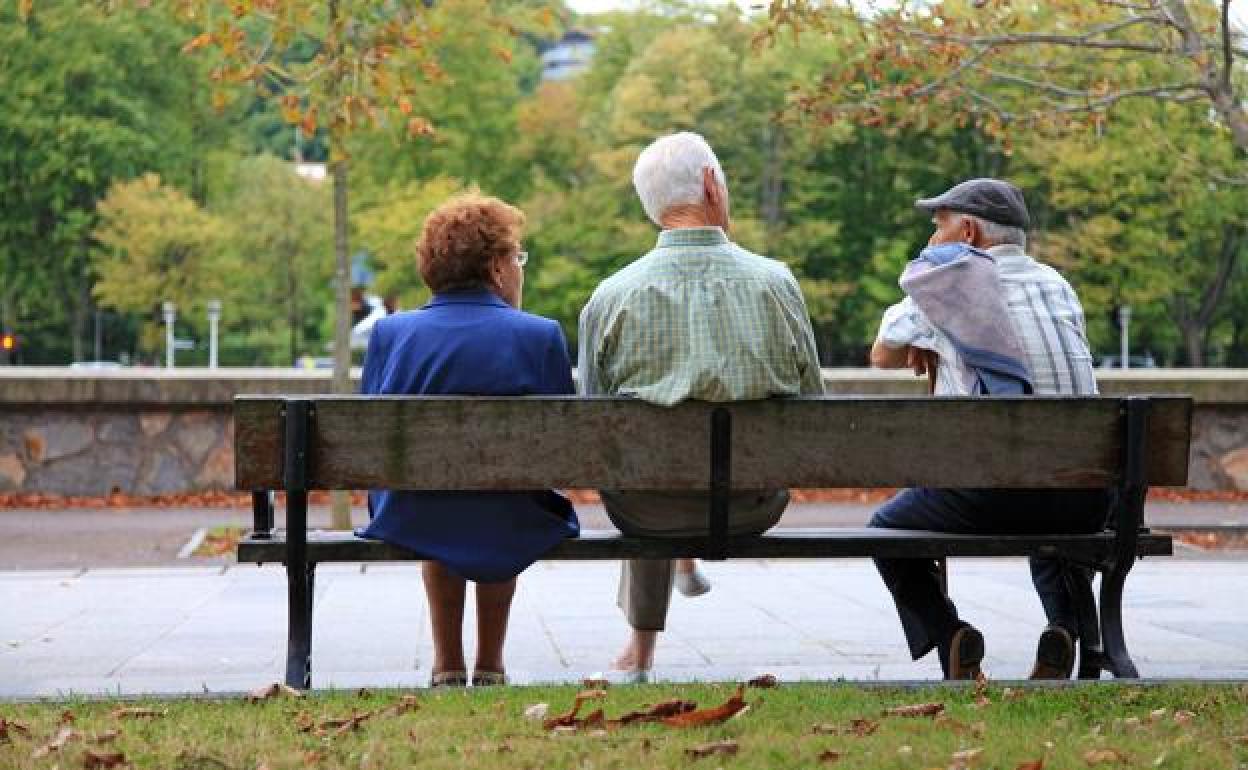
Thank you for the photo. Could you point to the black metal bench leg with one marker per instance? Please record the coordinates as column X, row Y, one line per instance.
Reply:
column 300, row 586
column 299, row 572
column 1117, row 658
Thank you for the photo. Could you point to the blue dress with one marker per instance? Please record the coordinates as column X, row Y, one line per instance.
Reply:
column 470, row 343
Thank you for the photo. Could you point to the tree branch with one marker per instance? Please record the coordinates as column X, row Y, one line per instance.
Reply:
column 1086, row 40
column 1232, row 236
column 1228, row 55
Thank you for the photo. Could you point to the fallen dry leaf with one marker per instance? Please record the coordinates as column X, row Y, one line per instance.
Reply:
column 8, row 726
column 828, row 756
column 62, row 737
column 566, row 719
column 272, row 691
column 137, row 713
column 336, row 726
column 709, row 716
column 1035, row 764
column 67, row 717
column 1010, row 693
column 108, row 736
column 315, row 756
column 595, row 683
column 763, row 682
column 592, row 694
column 723, row 748
column 401, row 706
column 93, row 759
column 1104, row 757
column 537, row 711
column 658, row 712
column 916, row 710
column 966, row 757
column 304, row 722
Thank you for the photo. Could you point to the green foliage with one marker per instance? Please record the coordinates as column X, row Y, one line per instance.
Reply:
column 389, row 223
column 1140, row 206
column 89, row 98
column 277, row 264
column 156, row 244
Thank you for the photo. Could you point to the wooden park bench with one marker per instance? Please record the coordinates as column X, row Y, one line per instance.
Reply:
column 307, row 443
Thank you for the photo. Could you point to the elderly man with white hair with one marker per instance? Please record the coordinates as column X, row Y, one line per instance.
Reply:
column 698, row 317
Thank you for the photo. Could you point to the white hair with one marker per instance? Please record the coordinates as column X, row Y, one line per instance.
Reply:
column 997, row 234
column 669, row 172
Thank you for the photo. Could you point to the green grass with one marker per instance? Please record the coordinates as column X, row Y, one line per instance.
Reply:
column 487, row 728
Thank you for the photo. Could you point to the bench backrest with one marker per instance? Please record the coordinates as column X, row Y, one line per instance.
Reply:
column 455, row 442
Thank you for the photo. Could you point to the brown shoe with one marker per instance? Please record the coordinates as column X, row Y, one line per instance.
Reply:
column 966, row 652
column 1055, row 654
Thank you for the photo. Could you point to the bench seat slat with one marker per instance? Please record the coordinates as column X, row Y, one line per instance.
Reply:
column 784, row 543
column 533, row 442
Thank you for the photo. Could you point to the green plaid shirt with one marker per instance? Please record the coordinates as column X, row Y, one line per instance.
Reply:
column 698, row 318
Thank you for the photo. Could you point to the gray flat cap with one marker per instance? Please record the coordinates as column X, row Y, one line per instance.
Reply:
column 993, row 199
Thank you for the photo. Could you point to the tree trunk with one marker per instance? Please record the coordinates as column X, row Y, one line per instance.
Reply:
column 1194, row 343
column 340, row 501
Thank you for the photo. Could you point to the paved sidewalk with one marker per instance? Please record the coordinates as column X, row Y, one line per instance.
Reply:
column 196, row 629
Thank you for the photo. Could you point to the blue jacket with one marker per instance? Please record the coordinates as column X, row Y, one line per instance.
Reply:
column 470, row 343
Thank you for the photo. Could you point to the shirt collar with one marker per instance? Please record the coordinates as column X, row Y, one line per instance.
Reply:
column 692, row 236
column 466, row 297
column 1009, row 254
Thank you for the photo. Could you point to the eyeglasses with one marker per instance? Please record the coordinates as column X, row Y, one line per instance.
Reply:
column 522, row 258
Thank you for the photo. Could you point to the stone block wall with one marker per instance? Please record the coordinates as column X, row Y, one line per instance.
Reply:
column 98, row 451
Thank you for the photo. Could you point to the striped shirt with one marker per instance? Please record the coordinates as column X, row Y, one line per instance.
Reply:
column 1048, row 320
column 698, row 318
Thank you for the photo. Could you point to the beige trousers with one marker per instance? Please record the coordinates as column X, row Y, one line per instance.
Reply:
column 646, row 584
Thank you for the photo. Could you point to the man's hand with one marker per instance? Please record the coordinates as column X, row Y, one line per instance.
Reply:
column 923, row 362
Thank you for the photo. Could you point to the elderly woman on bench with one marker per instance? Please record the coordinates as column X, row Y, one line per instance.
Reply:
column 470, row 339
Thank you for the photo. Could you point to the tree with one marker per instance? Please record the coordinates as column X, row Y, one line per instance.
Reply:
column 89, row 98
column 1058, row 76
column 372, row 58
column 156, row 245
column 279, row 236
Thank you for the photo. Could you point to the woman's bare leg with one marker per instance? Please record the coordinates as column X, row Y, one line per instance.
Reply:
column 684, row 566
column 445, row 591
column 493, row 609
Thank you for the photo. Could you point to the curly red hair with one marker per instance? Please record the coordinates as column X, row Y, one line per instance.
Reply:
column 463, row 238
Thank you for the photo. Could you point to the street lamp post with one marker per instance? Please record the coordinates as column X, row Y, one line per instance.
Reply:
column 214, row 317
column 171, row 315
column 1124, row 323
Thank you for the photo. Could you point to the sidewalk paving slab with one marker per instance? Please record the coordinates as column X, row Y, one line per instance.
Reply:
column 170, row 630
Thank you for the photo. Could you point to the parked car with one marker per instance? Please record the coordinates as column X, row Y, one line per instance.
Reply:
column 1136, row 361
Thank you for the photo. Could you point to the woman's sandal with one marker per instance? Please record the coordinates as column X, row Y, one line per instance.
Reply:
column 449, row 679
column 488, row 678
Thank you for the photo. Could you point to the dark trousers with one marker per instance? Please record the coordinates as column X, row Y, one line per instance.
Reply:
column 928, row 616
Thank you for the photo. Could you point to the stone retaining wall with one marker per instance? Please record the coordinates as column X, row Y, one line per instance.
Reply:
column 155, row 432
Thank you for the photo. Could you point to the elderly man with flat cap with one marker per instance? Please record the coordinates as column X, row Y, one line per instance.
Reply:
column 981, row 317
